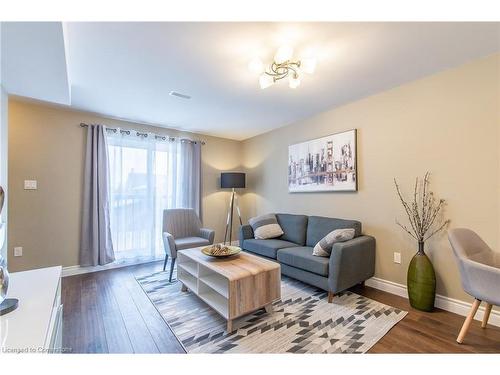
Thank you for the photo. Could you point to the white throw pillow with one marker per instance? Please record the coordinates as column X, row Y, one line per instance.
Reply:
column 265, row 227
column 324, row 247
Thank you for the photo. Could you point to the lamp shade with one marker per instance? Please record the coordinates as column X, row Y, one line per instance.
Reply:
column 229, row 180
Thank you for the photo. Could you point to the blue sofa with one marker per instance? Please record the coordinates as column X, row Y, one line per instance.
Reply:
column 350, row 263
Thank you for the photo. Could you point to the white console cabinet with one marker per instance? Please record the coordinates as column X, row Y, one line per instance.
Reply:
column 36, row 325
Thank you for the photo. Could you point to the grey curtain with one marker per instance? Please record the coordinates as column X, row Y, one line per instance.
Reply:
column 96, row 244
column 190, row 176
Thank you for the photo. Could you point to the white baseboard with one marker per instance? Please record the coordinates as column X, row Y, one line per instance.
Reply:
column 442, row 302
column 78, row 270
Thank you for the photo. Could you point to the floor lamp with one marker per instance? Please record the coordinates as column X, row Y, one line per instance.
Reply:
column 232, row 180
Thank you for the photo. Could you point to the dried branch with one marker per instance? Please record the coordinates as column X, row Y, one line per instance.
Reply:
column 407, row 209
column 415, row 207
column 406, row 229
column 421, row 217
column 438, row 230
column 426, row 202
column 434, row 214
column 429, row 206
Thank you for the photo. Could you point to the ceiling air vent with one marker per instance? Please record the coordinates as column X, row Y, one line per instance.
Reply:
column 179, row 95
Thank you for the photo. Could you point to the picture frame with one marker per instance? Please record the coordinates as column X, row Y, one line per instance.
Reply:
column 325, row 164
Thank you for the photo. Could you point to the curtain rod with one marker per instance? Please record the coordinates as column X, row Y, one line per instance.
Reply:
column 145, row 134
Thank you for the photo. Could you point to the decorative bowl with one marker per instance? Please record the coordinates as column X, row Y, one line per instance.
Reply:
column 209, row 250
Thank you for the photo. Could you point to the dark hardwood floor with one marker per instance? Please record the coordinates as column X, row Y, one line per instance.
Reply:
column 107, row 312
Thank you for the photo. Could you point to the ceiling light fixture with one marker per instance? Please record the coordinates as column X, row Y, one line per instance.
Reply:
column 283, row 66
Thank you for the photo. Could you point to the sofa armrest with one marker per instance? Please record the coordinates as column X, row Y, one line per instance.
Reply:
column 245, row 233
column 169, row 245
column 351, row 262
column 208, row 234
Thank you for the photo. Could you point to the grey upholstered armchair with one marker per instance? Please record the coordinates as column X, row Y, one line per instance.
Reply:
column 182, row 230
column 480, row 272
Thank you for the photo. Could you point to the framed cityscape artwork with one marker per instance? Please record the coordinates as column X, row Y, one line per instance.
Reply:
column 323, row 164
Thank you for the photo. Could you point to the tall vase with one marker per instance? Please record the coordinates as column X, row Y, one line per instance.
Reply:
column 421, row 281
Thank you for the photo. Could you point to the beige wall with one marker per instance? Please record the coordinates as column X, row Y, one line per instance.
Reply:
column 47, row 144
column 447, row 124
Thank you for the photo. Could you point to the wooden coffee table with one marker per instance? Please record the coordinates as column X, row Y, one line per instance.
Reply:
column 233, row 286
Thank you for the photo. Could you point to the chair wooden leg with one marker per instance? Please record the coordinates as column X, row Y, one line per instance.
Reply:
column 330, row 297
column 486, row 316
column 468, row 321
column 171, row 270
column 165, row 262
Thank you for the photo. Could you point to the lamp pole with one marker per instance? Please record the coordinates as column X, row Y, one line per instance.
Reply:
column 232, row 180
column 231, row 218
column 229, row 221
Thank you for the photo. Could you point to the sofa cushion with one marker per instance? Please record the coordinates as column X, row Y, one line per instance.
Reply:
column 189, row 242
column 265, row 227
column 324, row 247
column 294, row 228
column 301, row 257
column 267, row 248
column 318, row 227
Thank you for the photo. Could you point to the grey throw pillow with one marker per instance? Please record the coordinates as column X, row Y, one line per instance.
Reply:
column 265, row 226
column 324, row 247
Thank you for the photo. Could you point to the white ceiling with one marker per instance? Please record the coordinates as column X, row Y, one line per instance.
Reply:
column 34, row 61
column 126, row 70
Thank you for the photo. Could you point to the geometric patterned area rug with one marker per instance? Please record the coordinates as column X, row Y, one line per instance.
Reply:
column 302, row 322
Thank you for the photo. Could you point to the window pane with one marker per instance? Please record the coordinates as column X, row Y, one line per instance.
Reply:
column 138, row 180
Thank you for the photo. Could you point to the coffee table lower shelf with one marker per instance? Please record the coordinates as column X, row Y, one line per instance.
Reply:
column 234, row 286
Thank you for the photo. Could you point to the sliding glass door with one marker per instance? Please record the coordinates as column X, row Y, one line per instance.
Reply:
column 142, row 174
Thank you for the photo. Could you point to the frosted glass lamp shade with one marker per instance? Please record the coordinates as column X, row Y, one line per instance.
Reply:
column 265, row 80
column 293, row 83
column 283, row 54
column 256, row 66
column 308, row 65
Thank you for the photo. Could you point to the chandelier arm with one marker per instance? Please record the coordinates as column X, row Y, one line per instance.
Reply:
column 294, row 70
column 278, row 71
column 282, row 70
column 280, row 77
column 276, row 76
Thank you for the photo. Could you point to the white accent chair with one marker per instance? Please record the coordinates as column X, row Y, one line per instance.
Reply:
column 182, row 230
column 480, row 273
